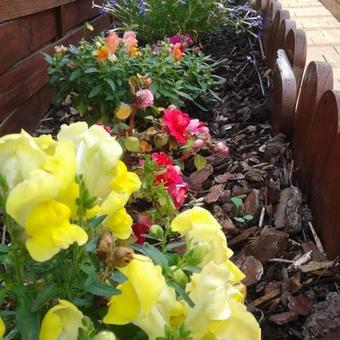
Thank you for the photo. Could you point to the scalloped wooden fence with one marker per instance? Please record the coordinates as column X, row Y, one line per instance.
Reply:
column 307, row 109
column 28, row 28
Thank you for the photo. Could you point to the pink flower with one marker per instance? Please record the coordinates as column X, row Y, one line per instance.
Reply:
column 171, row 178
column 177, row 123
column 143, row 99
column 197, row 128
column 130, row 42
column 176, row 39
column 187, row 40
column 221, row 148
column 178, row 193
column 198, row 144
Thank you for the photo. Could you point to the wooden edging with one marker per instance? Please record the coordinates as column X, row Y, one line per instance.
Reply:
column 307, row 109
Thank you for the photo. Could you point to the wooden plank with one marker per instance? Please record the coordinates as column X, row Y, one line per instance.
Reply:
column 25, row 35
column 296, row 49
column 283, row 99
column 18, row 8
column 26, row 78
column 326, row 201
column 317, row 80
column 28, row 114
column 323, row 132
column 77, row 13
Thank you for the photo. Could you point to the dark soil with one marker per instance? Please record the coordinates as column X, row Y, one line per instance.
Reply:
column 260, row 171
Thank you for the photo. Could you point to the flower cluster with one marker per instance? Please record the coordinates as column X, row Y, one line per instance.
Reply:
column 47, row 178
column 107, row 49
column 181, row 127
column 214, row 308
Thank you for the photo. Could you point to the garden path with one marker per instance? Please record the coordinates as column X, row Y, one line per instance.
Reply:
column 322, row 30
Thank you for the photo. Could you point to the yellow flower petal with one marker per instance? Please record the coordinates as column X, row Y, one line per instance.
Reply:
column 39, row 187
column 241, row 325
column 123, row 308
column 119, row 224
column 62, row 164
column 140, row 292
column 2, row 328
column 147, row 287
column 123, row 112
column 19, row 155
column 61, row 321
column 236, row 274
column 187, row 220
column 49, row 230
column 125, row 181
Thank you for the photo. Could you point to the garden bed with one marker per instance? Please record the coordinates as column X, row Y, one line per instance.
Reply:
column 250, row 192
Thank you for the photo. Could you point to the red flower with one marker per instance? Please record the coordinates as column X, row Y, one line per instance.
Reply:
column 171, row 178
column 161, row 158
column 177, row 123
column 142, row 227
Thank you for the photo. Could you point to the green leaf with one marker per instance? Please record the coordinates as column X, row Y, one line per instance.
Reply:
column 132, row 144
column 200, row 162
column 75, row 74
column 173, row 245
column 184, row 95
column 4, row 248
column 112, row 84
column 237, row 201
column 98, row 287
column 96, row 221
column 157, row 256
column 239, row 219
column 248, row 217
column 92, row 70
column 192, row 269
column 27, row 322
column 96, row 90
column 181, row 292
column 44, row 296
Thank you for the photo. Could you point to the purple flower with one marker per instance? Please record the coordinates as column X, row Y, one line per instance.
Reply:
column 176, row 39
column 141, row 7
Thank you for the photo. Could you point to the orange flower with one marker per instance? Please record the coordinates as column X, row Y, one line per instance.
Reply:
column 102, row 53
column 134, row 52
column 177, row 52
column 113, row 41
column 131, row 43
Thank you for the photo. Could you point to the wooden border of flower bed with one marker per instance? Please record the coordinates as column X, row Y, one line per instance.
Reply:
column 26, row 31
column 307, row 109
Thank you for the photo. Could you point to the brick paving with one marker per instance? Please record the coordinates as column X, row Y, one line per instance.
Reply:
column 322, row 30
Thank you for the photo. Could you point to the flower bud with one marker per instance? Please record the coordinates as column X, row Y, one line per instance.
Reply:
column 124, row 111
column 196, row 254
column 132, row 144
column 105, row 247
column 179, row 276
column 122, row 256
column 221, row 148
column 198, row 144
column 157, row 231
column 105, row 335
column 161, row 140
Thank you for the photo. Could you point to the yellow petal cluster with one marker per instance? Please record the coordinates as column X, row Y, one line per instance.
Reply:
column 41, row 175
column 139, row 293
column 218, row 296
column 61, row 322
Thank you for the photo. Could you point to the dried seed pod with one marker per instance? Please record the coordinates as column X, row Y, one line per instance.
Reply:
column 105, row 247
column 122, row 256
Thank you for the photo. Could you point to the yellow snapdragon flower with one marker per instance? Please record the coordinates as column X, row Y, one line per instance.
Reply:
column 200, row 228
column 139, row 293
column 2, row 329
column 46, row 221
column 61, row 322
